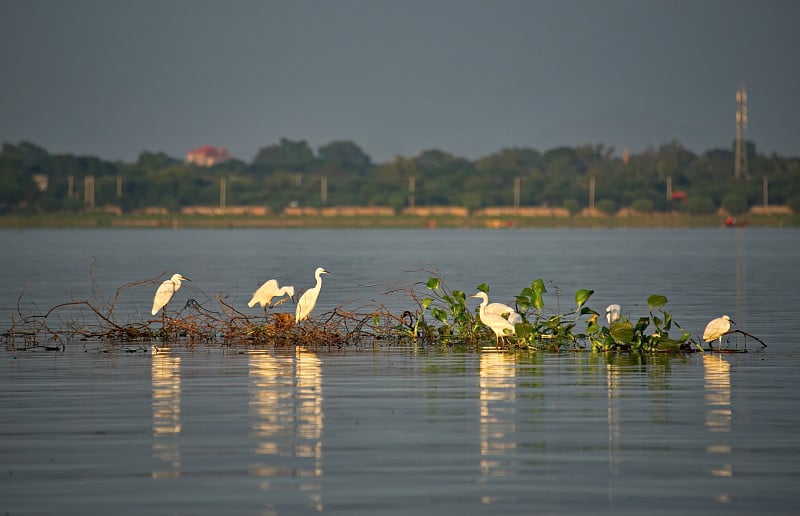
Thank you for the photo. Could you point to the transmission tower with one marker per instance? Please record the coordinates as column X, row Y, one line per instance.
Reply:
column 740, row 156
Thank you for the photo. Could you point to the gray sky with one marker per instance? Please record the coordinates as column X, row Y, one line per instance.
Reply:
column 113, row 78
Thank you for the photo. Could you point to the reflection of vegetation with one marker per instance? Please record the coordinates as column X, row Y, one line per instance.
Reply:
column 291, row 172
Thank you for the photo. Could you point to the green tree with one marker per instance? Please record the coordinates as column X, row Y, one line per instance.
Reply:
column 345, row 155
column 700, row 205
column 735, row 204
column 288, row 154
column 607, row 206
column 643, row 205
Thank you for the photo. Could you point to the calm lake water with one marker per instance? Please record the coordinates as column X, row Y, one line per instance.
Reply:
column 107, row 428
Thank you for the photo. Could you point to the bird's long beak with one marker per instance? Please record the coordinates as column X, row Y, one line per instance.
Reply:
column 732, row 321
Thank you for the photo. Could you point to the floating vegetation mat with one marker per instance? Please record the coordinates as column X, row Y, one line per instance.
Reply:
column 436, row 316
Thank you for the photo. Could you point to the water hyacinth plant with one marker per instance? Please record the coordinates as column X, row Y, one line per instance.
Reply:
column 445, row 317
column 622, row 335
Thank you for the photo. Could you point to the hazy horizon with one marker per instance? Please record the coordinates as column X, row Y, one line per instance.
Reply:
column 114, row 79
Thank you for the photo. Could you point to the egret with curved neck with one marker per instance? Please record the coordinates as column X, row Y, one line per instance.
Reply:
column 268, row 291
column 165, row 292
column 496, row 322
column 716, row 329
column 309, row 298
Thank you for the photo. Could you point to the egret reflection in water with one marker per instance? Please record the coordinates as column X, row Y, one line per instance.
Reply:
column 166, row 386
column 717, row 375
column 614, row 395
column 287, row 419
column 497, row 413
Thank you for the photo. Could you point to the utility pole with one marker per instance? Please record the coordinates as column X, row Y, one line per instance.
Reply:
column 412, row 187
column 119, row 187
column 88, row 191
column 323, row 187
column 70, row 187
column 766, row 192
column 669, row 188
column 740, row 155
column 591, row 192
column 517, row 187
column 223, row 192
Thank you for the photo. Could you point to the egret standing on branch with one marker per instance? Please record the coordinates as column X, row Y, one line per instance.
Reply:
column 716, row 329
column 165, row 292
column 268, row 291
column 612, row 313
column 309, row 298
column 496, row 322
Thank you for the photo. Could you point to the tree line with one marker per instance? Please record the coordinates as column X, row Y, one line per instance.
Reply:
column 340, row 173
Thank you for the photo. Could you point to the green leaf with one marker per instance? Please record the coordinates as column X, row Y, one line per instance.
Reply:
column 433, row 283
column 439, row 314
column 376, row 319
column 484, row 287
column 522, row 304
column 582, row 295
column 537, row 289
column 553, row 322
column 523, row 329
column 667, row 344
column 621, row 332
column 538, row 302
column 426, row 303
column 656, row 301
column 592, row 327
column 643, row 323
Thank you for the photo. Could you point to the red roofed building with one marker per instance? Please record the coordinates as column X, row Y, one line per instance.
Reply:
column 680, row 195
column 207, row 156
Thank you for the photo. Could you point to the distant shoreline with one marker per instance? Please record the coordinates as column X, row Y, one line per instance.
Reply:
column 106, row 220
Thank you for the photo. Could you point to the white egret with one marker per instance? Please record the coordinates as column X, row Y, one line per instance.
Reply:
column 268, row 291
column 716, row 329
column 496, row 322
column 612, row 313
column 165, row 292
column 309, row 298
column 504, row 311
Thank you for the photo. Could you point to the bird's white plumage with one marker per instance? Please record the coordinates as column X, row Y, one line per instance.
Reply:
column 309, row 298
column 716, row 328
column 165, row 292
column 269, row 290
column 613, row 313
column 496, row 322
column 504, row 311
